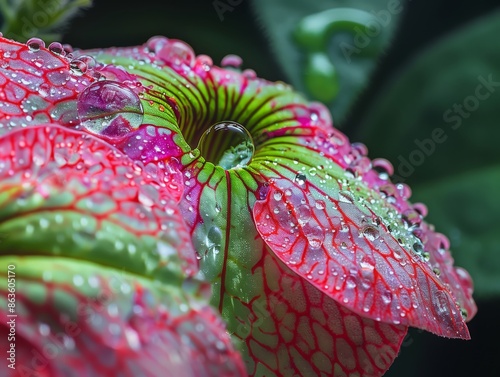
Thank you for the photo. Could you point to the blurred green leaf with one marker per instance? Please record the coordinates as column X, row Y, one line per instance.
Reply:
column 37, row 18
column 438, row 123
column 421, row 100
column 467, row 209
column 329, row 48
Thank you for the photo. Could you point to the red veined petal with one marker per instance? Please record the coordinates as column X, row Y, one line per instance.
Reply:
column 295, row 329
column 330, row 242
column 37, row 86
column 76, row 318
column 83, row 175
column 118, row 322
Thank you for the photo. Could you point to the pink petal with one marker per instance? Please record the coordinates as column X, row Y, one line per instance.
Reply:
column 350, row 255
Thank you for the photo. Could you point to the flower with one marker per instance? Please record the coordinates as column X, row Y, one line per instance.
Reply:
column 318, row 264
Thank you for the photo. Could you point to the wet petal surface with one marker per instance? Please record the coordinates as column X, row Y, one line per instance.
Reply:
column 317, row 262
column 106, row 274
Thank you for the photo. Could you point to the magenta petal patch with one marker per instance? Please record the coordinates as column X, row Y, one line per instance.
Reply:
column 351, row 256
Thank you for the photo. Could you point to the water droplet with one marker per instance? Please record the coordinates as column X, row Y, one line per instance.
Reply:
column 205, row 62
column 249, row 74
column 387, row 297
column 441, row 302
column 77, row 67
column 418, row 248
column 383, row 167
column 44, row 329
column 81, row 65
column 404, row 190
column 300, row 179
column 370, row 232
column 78, row 280
column 109, row 108
column 303, row 214
column 367, row 263
column 175, row 52
column 35, row 44
column 68, row 49
column 320, row 204
column 213, row 240
column 277, row 196
column 231, row 61
column 44, row 89
column 388, row 190
column 236, row 145
column 155, row 43
column 420, row 208
column 315, row 235
column 57, row 48
column 346, row 197
column 411, row 217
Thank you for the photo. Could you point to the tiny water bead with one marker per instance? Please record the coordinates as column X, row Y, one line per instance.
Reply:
column 227, row 144
column 110, row 109
column 57, row 48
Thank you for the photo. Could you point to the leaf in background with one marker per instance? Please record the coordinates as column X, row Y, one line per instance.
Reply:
column 41, row 18
column 329, row 53
column 438, row 122
column 467, row 208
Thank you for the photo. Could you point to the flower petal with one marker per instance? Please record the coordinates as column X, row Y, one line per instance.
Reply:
column 349, row 221
column 92, row 200
column 294, row 329
column 342, row 236
column 353, row 234
column 38, row 86
column 134, row 305
column 77, row 318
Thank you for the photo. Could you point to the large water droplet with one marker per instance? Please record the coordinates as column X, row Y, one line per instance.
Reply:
column 35, row 44
column 351, row 282
column 109, row 108
column 383, row 167
column 227, row 144
column 231, row 61
column 176, row 52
